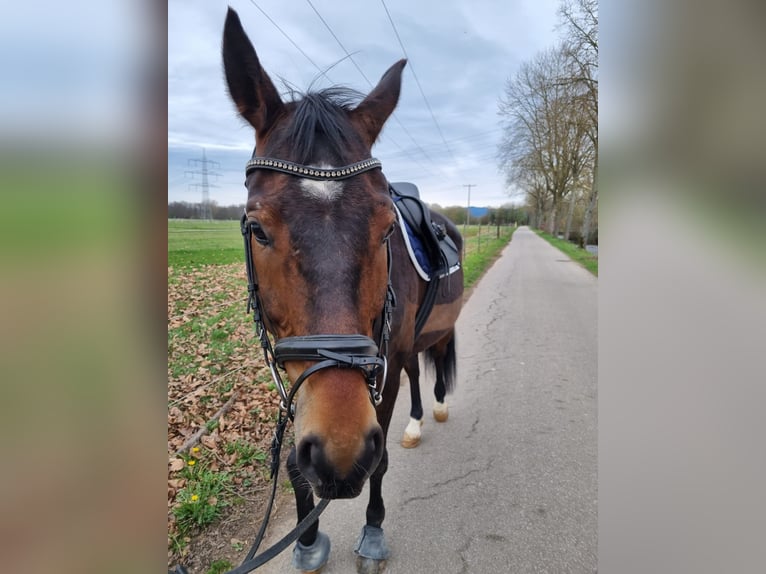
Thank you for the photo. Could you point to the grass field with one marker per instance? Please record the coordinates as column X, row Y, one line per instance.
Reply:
column 193, row 243
column 581, row 256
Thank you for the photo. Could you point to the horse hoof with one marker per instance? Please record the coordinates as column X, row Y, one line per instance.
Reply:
column 311, row 559
column 411, row 437
column 371, row 551
column 370, row 566
column 441, row 412
column 410, row 441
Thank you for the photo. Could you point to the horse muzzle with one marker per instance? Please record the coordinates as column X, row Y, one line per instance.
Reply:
column 326, row 477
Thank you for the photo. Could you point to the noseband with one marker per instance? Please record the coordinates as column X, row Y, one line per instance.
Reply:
column 341, row 351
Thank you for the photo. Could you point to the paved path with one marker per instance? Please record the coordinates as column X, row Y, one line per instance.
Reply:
column 509, row 483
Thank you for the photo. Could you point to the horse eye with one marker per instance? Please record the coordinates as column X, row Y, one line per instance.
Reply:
column 390, row 232
column 259, row 233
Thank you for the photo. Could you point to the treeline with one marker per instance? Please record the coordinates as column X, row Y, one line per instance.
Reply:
column 186, row 210
column 504, row 215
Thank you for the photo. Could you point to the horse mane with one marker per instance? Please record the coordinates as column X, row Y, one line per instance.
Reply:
column 322, row 114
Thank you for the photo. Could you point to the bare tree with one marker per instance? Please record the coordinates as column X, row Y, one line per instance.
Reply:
column 580, row 25
column 544, row 142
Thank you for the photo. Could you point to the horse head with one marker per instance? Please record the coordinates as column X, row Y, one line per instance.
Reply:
column 319, row 250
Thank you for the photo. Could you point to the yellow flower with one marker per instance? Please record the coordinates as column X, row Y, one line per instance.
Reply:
column 194, row 498
column 192, row 462
column 195, row 449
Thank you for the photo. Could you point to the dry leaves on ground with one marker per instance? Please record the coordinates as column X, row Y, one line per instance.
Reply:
column 213, row 354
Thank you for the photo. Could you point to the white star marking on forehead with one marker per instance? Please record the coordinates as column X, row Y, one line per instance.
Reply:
column 326, row 190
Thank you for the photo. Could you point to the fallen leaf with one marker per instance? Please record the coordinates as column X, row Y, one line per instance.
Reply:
column 208, row 441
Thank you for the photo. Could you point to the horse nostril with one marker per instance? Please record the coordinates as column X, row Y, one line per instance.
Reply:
column 310, row 453
column 375, row 444
column 376, row 439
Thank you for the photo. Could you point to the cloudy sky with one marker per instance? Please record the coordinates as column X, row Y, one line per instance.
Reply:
column 446, row 137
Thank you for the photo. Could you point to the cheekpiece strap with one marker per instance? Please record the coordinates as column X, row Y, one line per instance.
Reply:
column 317, row 173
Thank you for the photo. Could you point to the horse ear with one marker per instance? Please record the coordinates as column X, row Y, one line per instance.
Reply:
column 370, row 115
column 250, row 87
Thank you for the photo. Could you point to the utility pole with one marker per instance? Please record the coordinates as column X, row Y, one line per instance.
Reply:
column 468, row 208
column 205, row 185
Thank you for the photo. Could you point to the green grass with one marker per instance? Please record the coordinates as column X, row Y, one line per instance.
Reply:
column 219, row 567
column 581, row 256
column 192, row 243
column 202, row 500
column 481, row 248
column 246, row 453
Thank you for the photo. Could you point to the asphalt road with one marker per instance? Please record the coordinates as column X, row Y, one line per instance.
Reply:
column 509, row 483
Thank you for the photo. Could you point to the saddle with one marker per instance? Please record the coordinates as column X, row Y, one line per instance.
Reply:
column 432, row 252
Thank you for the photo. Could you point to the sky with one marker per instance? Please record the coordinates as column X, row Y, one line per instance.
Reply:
column 445, row 130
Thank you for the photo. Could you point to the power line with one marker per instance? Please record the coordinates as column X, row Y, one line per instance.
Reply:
column 350, row 57
column 297, row 47
column 323, row 73
column 417, row 81
column 339, row 42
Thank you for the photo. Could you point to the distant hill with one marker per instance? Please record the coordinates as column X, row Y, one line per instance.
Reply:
column 478, row 211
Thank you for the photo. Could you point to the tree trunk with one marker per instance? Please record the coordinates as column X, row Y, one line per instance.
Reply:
column 593, row 201
column 570, row 215
column 552, row 221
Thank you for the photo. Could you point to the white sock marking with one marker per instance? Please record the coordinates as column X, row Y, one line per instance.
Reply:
column 413, row 428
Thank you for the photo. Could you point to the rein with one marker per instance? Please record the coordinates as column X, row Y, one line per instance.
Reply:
column 341, row 351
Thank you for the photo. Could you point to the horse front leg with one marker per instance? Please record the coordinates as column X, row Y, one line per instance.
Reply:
column 412, row 433
column 313, row 547
column 371, row 548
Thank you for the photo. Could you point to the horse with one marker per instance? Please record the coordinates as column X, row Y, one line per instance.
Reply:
column 330, row 280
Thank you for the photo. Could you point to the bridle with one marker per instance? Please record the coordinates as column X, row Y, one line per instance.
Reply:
column 330, row 350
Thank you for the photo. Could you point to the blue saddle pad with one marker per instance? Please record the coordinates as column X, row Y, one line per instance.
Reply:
column 418, row 249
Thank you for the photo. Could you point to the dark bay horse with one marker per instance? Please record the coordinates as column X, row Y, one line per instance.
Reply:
column 333, row 284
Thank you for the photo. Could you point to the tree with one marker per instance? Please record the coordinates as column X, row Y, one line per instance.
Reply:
column 186, row 210
column 544, row 144
column 580, row 23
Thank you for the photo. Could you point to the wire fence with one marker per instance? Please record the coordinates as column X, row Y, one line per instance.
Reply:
column 478, row 237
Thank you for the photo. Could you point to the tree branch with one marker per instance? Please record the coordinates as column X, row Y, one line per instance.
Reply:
column 194, row 439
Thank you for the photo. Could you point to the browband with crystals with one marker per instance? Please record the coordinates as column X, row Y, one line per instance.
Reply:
column 317, row 173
